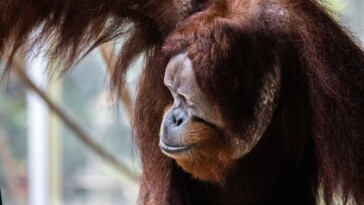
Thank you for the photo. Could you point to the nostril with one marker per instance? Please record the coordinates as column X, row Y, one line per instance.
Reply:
column 178, row 118
column 179, row 122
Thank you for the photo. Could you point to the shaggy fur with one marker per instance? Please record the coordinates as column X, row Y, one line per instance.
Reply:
column 315, row 142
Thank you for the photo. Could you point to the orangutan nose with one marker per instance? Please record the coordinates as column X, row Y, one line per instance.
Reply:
column 177, row 117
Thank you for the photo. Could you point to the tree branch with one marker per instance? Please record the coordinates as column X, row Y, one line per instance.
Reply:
column 82, row 134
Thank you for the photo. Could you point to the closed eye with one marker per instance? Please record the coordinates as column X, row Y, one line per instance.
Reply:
column 182, row 97
column 185, row 99
column 198, row 119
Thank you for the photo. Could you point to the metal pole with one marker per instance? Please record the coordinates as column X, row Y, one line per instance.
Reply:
column 55, row 148
column 37, row 121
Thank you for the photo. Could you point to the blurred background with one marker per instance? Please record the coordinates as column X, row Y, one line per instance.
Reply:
column 68, row 140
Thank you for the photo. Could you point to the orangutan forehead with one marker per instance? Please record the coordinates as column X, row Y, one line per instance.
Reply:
column 179, row 73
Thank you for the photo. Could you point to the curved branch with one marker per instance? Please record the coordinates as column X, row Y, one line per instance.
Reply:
column 82, row 134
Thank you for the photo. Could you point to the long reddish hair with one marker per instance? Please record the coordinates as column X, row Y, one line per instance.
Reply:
column 319, row 122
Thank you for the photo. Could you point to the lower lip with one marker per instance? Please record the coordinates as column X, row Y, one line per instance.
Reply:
column 174, row 149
